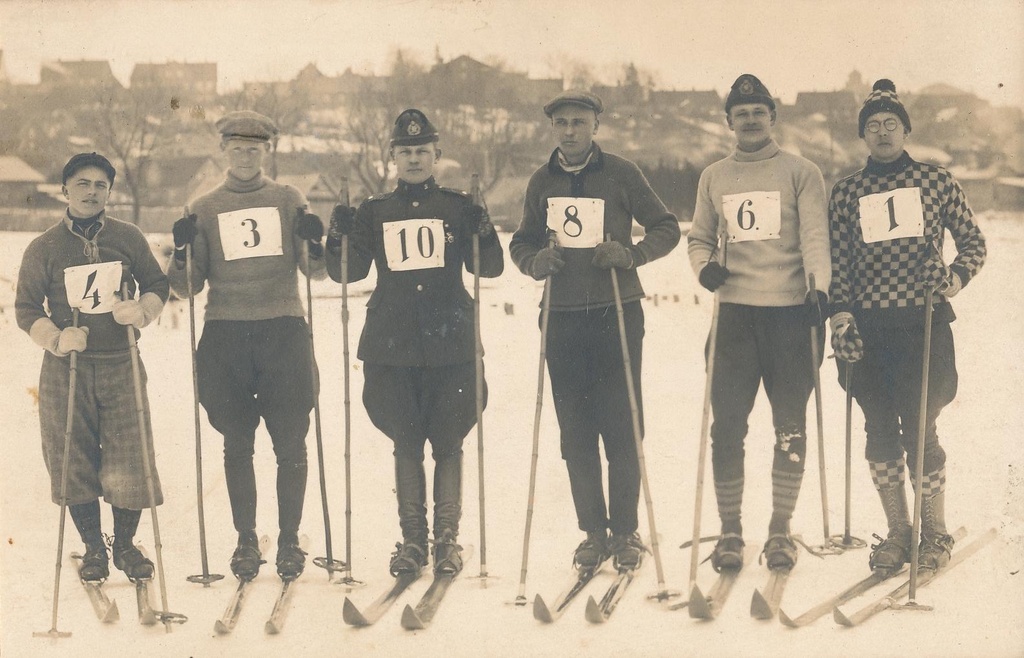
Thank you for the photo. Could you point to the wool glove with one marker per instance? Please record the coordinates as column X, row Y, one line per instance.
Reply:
column 476, row 220
column 816, row 302
column 184, row 232
column 138, row 312
column 547, row 261
column 712, row 276
column 72, row 339
column 846, row 340
column 343, row 220
column 309, row 227
column 612, row 254
column 934, row 274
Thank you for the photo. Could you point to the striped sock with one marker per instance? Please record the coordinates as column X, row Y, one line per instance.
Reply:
column 785, row 489
column 730, row 500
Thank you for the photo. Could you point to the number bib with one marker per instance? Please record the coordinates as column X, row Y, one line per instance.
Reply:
column 250, row 233
column 752, row 216
column 414, row 244
column 93, row 288
column 891, row 215
column 578, row 223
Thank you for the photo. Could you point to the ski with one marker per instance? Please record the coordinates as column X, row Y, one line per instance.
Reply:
column 420, row 617
column 580, row 579
column 764, row 604
column 890, row 599
column 354, row 617
column 227, row 622
column 146, row 615
column 598, row 612
column 848, row 594
column 708, row 607
column 106, row 610
column 279, row 614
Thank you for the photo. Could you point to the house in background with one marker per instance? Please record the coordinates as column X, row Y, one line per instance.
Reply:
column 19, row 183
column 188, row 83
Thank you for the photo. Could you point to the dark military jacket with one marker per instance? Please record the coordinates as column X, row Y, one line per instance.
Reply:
column 420, row 313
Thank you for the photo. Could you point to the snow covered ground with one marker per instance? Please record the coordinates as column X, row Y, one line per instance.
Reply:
column 979, row 608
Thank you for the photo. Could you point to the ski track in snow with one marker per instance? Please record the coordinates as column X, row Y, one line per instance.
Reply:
column 979, row 608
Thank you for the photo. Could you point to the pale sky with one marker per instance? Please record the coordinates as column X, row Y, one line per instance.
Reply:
column 791, row 45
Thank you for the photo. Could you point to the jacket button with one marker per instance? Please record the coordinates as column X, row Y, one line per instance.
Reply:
column 419, row 287
column 415, row 204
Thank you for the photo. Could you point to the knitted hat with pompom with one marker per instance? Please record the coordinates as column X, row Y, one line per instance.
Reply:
column 882, row 98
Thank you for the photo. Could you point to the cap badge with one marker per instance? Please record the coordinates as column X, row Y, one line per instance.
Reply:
column 413, row 129
column 746, row 87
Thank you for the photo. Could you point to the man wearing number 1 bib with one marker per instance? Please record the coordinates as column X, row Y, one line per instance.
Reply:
column 79, row 265
column 418, row 343
column 249, row 237
column 581, row 195
column 760, row 231
column 887, row 224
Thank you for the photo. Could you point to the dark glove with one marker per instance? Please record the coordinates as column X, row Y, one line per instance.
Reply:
column 816, row 303
column 547, row 261
column 476, row 220
column 713, row 276
column 308, row 226
column 612, row 254
column 846, row 340
column 184, row 232
column 343, row 220
column 935, row 275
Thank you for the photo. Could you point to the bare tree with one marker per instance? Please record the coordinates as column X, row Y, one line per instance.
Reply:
column 285, row 103
column 369, row 129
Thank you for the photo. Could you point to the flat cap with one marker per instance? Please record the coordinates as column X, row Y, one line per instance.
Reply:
column 246, row 124
column 412, row 128
column 574, row 97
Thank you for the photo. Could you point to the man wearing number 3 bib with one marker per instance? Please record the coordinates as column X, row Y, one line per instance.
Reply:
column 760, row 231
column 581, row 195
column 253, row 361
column 887, row 227
column 418, row 343
column 79, row 265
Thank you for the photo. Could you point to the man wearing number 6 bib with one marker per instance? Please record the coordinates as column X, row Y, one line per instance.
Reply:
column 249, row 236
column 581, row 195
column 75, row 270
column 418, row 343
column 760, row 232
column 887, row 227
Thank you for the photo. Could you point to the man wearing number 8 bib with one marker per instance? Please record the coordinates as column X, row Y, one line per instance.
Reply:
column 249, row 236
column 418, row 343
column 760, row 232
column 581, row 195
column 887, row 224
column 78, row 266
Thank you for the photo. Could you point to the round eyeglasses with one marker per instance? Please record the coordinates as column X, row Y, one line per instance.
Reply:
column 890, row 125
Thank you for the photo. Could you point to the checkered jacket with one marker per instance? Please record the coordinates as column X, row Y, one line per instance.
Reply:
column 881, row 275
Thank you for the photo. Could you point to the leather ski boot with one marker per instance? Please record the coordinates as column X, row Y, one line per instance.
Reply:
column 891, row 553
column 936, row 544
column 779, row 552
column 627, row 551
column 129, row 559
column 409, row 558
column 94, row 566
column 728, row 553
column 447, row 554
column 592, row 551
column 246, row 560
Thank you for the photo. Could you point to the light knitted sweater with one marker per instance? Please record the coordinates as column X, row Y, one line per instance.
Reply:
column 764, row 272
column 246, row 288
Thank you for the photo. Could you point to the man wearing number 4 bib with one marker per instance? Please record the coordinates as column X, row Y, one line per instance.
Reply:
column 248, row 236
column 79, row 265
column 418, row 343
column 581, row 195
column 760, row 231
column 887, row 223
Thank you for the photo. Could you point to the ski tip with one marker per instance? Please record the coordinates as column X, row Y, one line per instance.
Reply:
column 541, row 612
column 270, row 628
column 841, row 618
column 593, row 614
column 786, row 620
column 350, row 613
column 112, row 614
column 148, row 619
column 698, row 608
column 759, row 606
column 221, row 628
column 410, row 620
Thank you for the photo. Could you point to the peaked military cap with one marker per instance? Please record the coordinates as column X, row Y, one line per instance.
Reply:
column 574, row 97
column 748, row 89
column 246, row 124
column 412, row 128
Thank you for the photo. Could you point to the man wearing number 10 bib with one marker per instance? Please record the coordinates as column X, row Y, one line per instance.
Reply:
column 581, row 195
column 78, row 266
column 254, row 361
column 418, row 342
column 760, row 232
column 887, row 223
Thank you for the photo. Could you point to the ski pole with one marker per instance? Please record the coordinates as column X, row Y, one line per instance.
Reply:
column 328, row 563
column 847, row 541
column 545, row 314
column 827, row 548
column 164, row 615
column 206, row 577
column 68, row 426
column 479, row 361
column 702, row 453
column 634, row 411
column 922, row 418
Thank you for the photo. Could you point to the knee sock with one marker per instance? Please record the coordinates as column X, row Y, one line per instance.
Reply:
column 730, row 500
column 86, row 517
column 126, row 522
